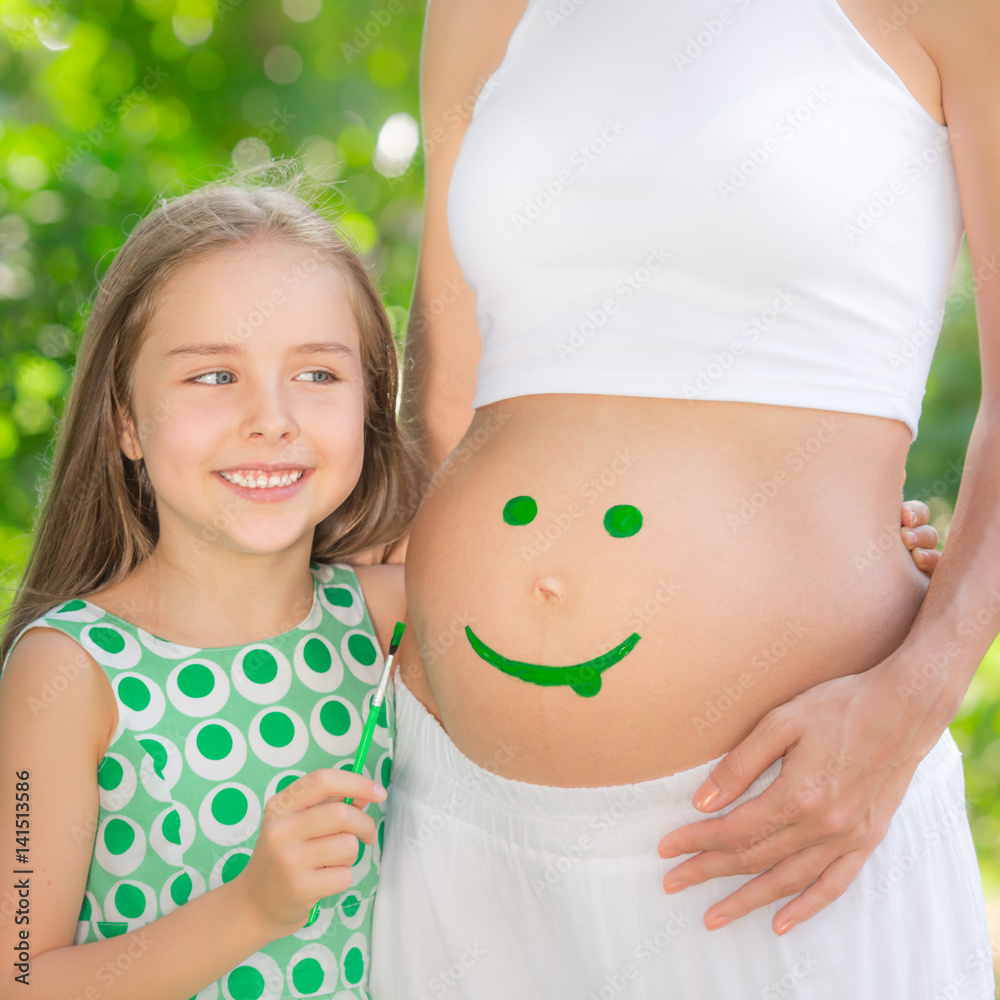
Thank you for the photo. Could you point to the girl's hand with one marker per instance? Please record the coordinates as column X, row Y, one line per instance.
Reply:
column 306, row 845
column 919, row 536
column 846, row 767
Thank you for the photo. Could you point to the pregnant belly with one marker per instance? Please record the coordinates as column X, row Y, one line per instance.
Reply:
column 604, row 589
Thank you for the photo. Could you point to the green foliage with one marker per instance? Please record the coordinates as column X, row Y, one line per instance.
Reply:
column 105, row 105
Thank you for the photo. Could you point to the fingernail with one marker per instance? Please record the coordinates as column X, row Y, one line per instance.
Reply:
column 675, row 886
column 911, row 518
column 706, row 795
column 378, row 791
column 785, row 927
column 911, row 536
column 716, row 922
column 670, row 854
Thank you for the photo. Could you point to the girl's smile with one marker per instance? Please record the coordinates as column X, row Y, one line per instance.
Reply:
column 257, row 384
column 265, row 487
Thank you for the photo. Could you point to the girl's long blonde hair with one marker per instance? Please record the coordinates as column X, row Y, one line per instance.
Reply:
column 98, row 513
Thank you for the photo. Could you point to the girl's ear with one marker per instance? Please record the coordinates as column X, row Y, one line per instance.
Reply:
column 127, row 440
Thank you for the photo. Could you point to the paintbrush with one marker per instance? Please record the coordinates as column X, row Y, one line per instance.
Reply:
column 374, row 710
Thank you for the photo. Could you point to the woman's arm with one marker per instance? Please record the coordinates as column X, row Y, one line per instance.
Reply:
column 382, row 587
column 883, row 721
column 57, row 715
column 464, row 42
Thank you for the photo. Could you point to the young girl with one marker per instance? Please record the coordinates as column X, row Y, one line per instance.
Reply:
column 187, row 642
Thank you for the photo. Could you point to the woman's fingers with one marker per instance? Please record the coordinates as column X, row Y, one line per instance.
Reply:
column 915, row 513
column 744, row 827
column 812, row 874
column 924, row 537
column 922, row 543
column 919, row 536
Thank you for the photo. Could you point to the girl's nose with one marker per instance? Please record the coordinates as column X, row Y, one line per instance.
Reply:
column 547, row 590
column 269, row 416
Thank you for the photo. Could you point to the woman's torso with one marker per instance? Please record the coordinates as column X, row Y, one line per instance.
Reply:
column 768, row 560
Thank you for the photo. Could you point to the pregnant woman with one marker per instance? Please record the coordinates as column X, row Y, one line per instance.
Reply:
column 706, row 249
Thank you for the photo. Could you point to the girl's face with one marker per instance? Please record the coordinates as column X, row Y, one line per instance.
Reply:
column 250, row 370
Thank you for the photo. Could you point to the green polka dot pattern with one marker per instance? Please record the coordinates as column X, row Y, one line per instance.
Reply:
column 205, row 738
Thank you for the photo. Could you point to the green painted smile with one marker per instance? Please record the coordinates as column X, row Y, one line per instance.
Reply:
column 583, row 678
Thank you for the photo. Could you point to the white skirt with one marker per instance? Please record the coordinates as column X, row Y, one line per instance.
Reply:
column 493, row 889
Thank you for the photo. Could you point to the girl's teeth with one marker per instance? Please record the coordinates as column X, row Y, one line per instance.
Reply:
column 262, row 480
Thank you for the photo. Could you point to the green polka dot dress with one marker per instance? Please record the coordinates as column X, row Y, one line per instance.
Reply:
column 205, row 737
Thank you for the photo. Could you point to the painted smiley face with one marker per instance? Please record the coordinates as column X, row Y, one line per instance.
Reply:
column 620, row 521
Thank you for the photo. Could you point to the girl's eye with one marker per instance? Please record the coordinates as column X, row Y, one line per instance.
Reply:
column 226, row 377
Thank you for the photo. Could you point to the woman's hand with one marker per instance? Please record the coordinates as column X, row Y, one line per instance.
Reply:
column 306, row 846
column 847, row 765
column 919, row 536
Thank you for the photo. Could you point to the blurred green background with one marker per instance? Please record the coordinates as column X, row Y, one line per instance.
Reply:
column 106, row 104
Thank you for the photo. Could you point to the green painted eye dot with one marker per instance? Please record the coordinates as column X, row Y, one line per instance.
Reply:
column 622, row 520
column 520, row 510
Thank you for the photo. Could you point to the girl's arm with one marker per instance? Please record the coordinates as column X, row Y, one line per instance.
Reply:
column 57, row 716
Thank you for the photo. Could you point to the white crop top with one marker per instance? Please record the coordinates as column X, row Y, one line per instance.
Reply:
column 701, row 201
